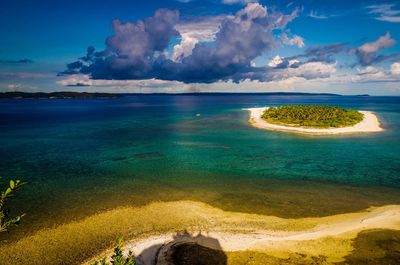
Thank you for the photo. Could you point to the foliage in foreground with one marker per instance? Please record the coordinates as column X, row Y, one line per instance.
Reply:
column 312, row 116
column 118, row 258
column 6, row 221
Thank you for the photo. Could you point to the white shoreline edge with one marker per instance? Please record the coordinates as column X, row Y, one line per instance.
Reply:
column 369, row 124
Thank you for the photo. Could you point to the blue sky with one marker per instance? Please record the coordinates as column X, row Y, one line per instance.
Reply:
column 347, row 47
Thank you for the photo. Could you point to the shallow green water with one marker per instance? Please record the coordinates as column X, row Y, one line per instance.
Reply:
column 84, row 156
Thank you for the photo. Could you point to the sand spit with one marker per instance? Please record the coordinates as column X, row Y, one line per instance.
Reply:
column 369, row 124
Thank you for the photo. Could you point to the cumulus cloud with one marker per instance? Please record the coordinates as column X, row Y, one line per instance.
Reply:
column 395, row 69
column 276, row 61
column 378, row 74
column 185, row 48
column 137, row 50
column 281, row 62
column 367, row 53
column 370, row 73
column 369, row 70
column 310, row 70
column 291, row 41
column 133, row 49
column 192, row 32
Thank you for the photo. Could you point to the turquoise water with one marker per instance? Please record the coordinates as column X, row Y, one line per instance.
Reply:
column 84, row 156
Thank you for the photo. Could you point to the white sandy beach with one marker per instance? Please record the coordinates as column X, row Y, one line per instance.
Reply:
column 369, row 124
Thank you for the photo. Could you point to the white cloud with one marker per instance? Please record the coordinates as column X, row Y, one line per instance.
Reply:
column 295, row 40
column 14, row 87
column 277, row 60
column 193, row 32
column 385, row 12
column 330, row 79
column 311, row 70
column 307, row 71
column 230, row 2
column 139, row 86
column 252, row 11
column 369, row 70
column 395, row 69
column 316, row 15
column 325, row 79
column 377, row 74
column 370, row 73
column 382, row 42
column 185, row 48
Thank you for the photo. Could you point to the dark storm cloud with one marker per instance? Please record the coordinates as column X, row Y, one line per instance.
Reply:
column 132, row 50
column 137, row 50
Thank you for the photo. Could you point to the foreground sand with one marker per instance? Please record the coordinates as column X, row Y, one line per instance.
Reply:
column 369, row 124
column 278, row 240
column 239, row 233
column 150, row 227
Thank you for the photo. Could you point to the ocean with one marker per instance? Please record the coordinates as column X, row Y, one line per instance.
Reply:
column 80, row 157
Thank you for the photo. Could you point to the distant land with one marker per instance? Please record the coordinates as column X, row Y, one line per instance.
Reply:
column 95, row 95
column 56, row 95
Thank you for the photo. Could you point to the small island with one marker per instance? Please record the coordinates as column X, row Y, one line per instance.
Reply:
column 316, row 120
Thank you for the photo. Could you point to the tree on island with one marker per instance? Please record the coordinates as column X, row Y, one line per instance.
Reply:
column 6, row 221
column 312, row 116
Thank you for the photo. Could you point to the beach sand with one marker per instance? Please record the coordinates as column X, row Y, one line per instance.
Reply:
column 369, row 124
column 156, row 227
column 237, row 233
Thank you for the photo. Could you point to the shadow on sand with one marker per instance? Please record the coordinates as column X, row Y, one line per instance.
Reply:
column 184, row 249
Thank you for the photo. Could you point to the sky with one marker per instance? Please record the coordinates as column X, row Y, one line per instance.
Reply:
column 178, row 46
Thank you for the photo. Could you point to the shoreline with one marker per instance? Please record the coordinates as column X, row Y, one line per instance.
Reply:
column 369, row 124
column 274, row 241
column 383, row 217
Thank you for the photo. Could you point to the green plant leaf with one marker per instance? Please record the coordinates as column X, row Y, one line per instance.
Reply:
column 12, row 184
column 8, row 192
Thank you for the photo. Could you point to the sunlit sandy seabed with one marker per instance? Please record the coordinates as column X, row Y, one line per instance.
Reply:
column 83, row 157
